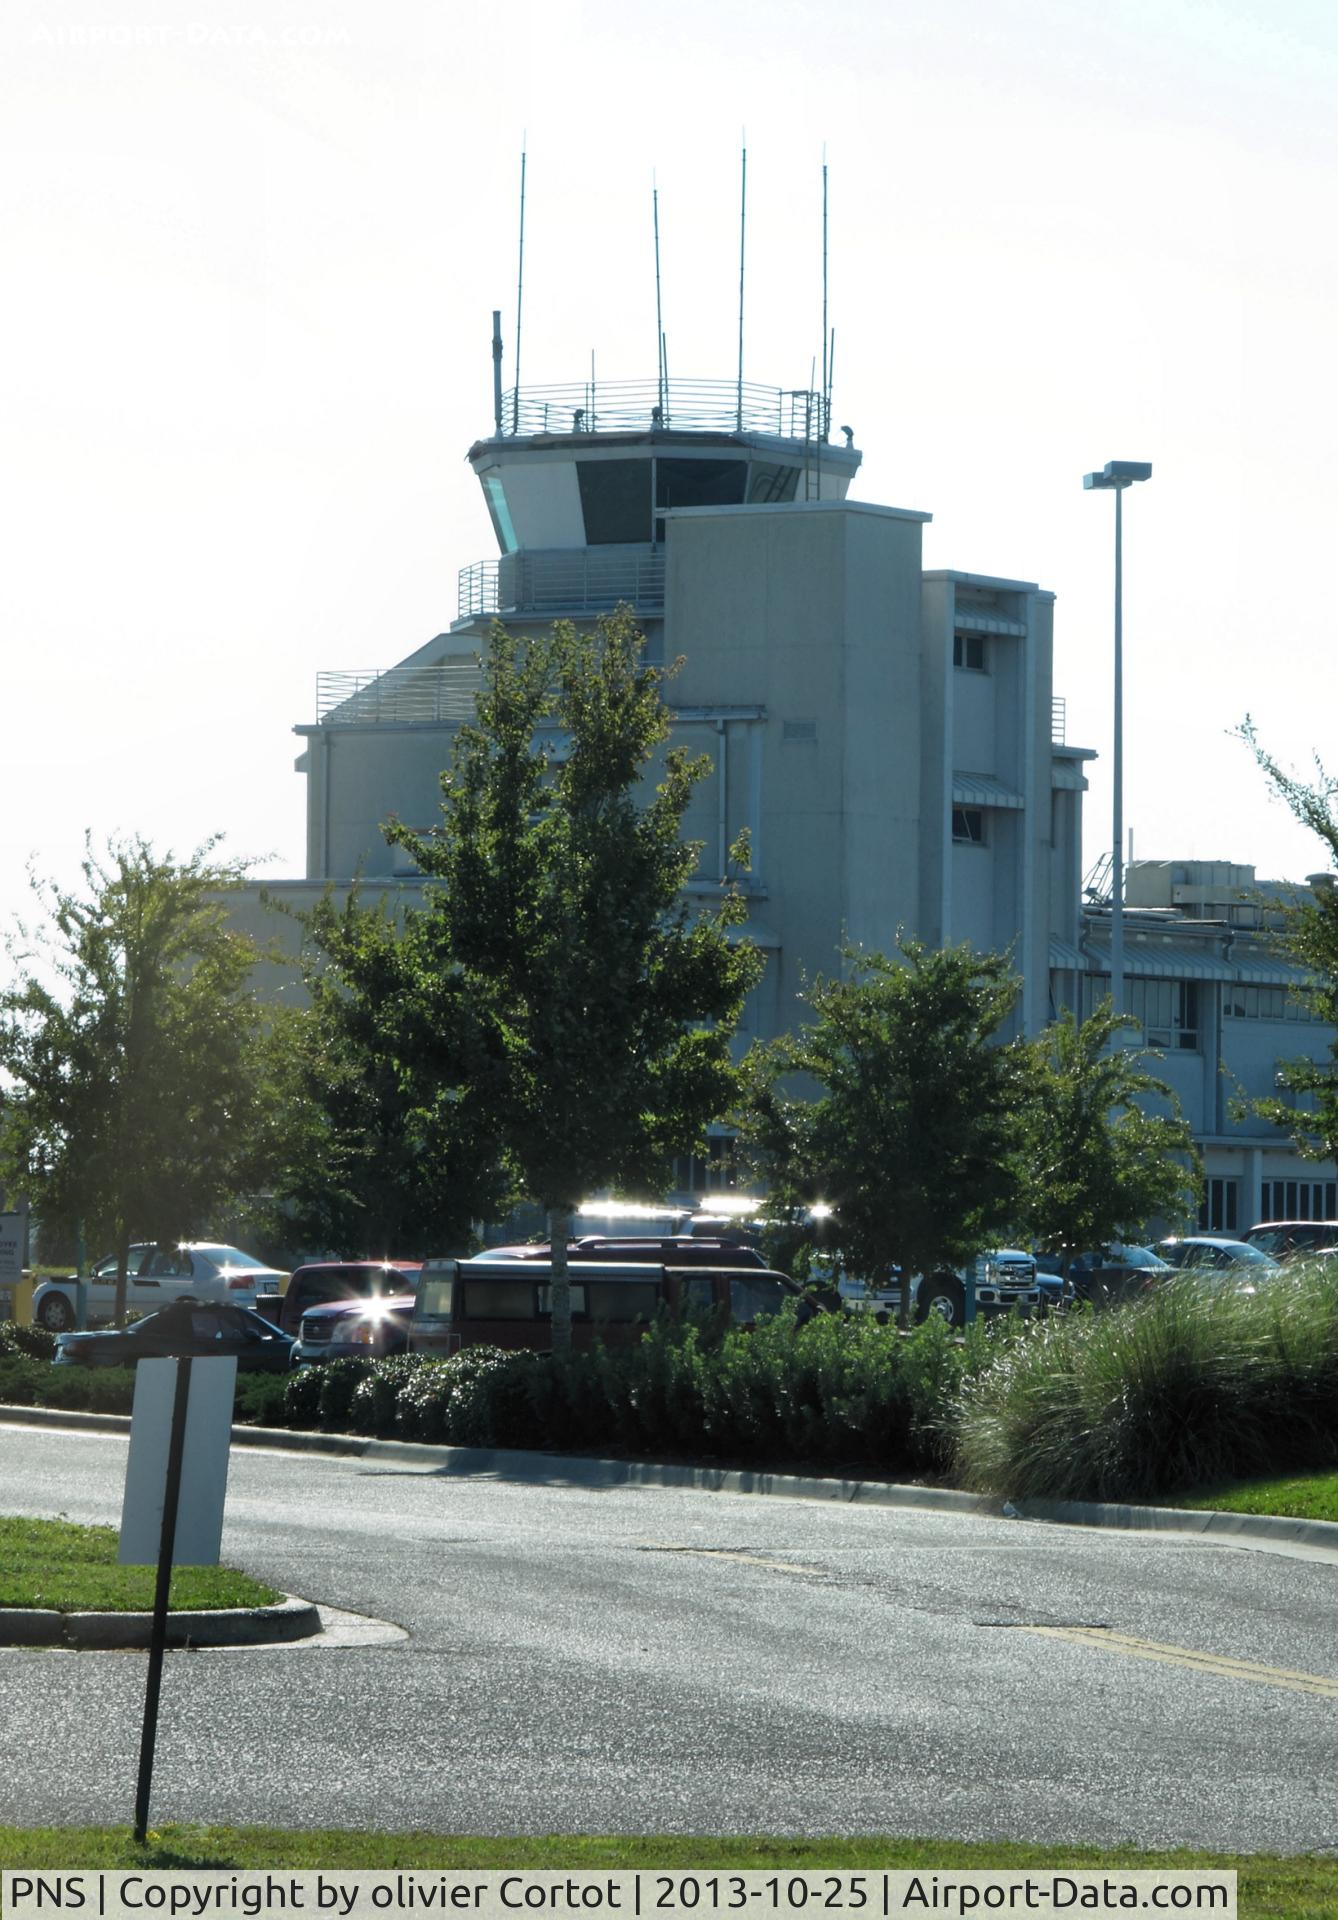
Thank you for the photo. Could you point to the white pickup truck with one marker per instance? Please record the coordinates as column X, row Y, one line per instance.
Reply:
column 1002, row 1278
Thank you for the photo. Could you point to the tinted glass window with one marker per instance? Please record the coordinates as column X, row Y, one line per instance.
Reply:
column 545, row 1297
column 169, row 1263
column 206, row 1325
column 499, row 1300
column 772, row 483
column 752, row 1296
column 696, row 1294
column 615, row 500
column 621, row 1300
column 700, row 483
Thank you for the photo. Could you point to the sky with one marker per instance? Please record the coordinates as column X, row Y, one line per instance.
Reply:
column 252, row 250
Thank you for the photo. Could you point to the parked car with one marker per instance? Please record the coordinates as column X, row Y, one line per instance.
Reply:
column 1282, row 1238
column 1106, row 1275
column 355, row 1330
column 1215, row 1255
column 200, row 1330
column 1057, row 1292
column 322, row 1283
column 157, row 1274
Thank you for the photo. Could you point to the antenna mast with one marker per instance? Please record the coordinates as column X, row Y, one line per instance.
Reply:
column 520, row 292
column 659, row 317
column 743, row 222
column 825, row 423
column 822, row 397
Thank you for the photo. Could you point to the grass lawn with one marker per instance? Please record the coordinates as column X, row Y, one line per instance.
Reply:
column 1270, row 1888
column 53, row 1563
column 1305, row 1496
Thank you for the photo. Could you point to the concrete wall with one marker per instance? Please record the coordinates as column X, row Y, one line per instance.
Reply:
column 812, row 613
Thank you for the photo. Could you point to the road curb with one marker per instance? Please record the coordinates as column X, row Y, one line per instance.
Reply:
column 552, row 1469
column 290, row 1619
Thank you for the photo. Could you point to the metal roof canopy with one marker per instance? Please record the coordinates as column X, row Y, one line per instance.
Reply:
column 1178, row 960
column 979, row 790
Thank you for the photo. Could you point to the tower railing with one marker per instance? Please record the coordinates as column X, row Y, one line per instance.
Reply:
column 586, row 580
column 668, row 406
column 402, row 696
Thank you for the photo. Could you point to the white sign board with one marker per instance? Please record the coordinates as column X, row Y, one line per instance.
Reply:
column 13, row 1255
column 204, row 1463
column 13, row 1238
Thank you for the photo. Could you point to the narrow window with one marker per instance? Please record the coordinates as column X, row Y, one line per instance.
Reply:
column 968, row 826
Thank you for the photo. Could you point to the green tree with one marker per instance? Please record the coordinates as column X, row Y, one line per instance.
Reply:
column 1309, row 936
column 385, row 1154
column 1098, row 1164
column 586, row 1009
column 913, row 1132
column 136, row 1096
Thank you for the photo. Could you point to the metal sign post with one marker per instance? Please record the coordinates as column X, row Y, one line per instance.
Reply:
column 176, row 1447
column 176, row 1479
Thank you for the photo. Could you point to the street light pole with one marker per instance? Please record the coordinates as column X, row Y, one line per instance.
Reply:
column 1115, row 477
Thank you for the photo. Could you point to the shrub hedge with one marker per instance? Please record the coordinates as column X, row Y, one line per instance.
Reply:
column 831, row 1393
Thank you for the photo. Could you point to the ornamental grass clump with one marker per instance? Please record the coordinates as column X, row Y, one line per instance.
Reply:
column 1195, row 1383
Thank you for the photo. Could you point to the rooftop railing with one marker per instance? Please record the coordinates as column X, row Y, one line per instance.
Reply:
column 403, row 696
column 583, row 581
column 668, row 406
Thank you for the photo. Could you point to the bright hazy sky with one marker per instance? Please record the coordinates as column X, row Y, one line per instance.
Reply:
column 252, row 249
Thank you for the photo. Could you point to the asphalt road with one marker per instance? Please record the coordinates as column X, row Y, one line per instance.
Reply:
column 650, row 1661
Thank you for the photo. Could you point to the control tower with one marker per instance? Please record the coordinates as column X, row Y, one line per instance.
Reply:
column 884, row 736
column 580, row 481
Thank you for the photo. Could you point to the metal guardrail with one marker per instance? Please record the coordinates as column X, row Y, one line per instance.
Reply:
column 670, row 406
column 405, row 696
column 583, row 581
column 410, row 696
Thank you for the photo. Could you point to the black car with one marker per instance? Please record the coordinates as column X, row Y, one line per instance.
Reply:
column 184, row 1328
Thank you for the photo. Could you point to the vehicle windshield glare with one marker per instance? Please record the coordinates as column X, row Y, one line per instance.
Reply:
column 1255, row 1257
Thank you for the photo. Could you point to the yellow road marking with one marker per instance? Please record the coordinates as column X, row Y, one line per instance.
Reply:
column 1220, row 1666
column 724, row 1553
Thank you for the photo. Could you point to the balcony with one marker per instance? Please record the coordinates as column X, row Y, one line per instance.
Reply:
column 665, row 406
column 586, row 580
